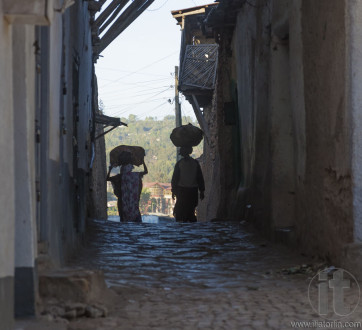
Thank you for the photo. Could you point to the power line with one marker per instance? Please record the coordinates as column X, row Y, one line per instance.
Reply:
column 145, row 100
column 120, row 112
column 158, row 7
column 145, row 67
column 149, row 111
column 146, row 81
column 127, row 94
column 130, row 105
column 137, row 86
column 120, row 70
column 133, row 85
column 138, row 93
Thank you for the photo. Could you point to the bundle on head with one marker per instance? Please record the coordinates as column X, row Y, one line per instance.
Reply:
column 137, row 155
column 125, row 158
column 186, row 136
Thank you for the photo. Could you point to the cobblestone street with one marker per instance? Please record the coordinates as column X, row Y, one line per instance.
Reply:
column 198, row 276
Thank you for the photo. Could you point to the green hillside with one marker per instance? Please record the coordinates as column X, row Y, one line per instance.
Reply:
column 154, row 136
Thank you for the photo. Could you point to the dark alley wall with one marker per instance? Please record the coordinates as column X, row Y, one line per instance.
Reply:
column 97, row 197
column 294, row 122
column 291, row 174
column 324, row 209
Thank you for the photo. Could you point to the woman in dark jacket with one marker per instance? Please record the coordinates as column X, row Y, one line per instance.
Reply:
column 187, row 181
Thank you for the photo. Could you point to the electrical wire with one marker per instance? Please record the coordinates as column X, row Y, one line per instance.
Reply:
column 138, row 89
column 120, row 70
column 136, row 83
column 138, row 94
column 145, row 67
column 135, row 95
column 130, row 105
column 135, row 88
column 158, row 7
column 127, row 109
column 146, row 81
column 131, row 88
column 147, row 99
column 149, row 111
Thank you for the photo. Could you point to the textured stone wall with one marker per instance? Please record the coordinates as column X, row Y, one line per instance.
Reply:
column 252, row 63
column 288, row 61
column 353, row 252
column 97, row 198
column 324, row 193
column 97, row 204
column 98, row 186
column 354, row 85
column 210, row 164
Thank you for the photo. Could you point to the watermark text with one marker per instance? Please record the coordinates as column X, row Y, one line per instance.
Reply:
column 326, row 324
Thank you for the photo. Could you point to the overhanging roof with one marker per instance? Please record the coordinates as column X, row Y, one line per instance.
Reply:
column 107, row 121
column 180, row 14
column 114, row 19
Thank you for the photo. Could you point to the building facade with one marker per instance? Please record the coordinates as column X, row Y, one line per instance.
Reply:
column 52, row 156
column 284, row 122
column 46, row 150
column 160, row 200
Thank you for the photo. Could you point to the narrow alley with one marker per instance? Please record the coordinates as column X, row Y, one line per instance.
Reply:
column 274, row 86
column 199, row 276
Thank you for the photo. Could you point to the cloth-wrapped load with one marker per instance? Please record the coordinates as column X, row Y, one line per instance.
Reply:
column 186, row 136
column 137, row 155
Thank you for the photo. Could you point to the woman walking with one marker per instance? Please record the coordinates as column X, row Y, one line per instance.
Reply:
column 187, row 180
column 127, row 187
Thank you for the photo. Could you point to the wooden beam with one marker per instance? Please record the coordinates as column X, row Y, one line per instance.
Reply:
column 110, row 19
column 200, row 118
column 109, row 10
column 127, row 17
column 195, row 12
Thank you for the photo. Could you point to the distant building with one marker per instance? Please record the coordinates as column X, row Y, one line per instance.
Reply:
column 112, row 204
column 161, row 197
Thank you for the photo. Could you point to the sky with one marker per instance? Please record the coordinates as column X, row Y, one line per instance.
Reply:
column 136, row 71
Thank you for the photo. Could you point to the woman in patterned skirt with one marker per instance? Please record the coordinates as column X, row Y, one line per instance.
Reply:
column 127, row 187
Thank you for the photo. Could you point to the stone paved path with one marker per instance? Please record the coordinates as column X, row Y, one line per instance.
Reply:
column 201, row 276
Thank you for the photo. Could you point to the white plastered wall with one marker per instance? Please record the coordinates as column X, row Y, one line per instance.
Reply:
column 7, row 195
column 55, row 54
column 24, row 122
